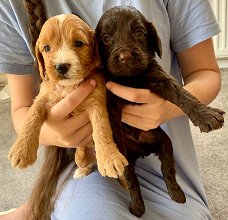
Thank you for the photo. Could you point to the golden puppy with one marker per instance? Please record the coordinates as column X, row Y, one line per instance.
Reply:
column 66, row 52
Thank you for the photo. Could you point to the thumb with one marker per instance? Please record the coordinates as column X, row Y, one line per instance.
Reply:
column 65, row 106
column 129, row 93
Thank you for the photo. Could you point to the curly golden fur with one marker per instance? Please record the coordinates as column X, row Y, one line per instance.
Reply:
column 66, row 52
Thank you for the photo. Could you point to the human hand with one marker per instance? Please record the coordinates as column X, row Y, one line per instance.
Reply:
column 63, row 130
column 152, row 111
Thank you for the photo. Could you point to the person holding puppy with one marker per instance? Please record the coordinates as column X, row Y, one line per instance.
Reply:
column 185, row 28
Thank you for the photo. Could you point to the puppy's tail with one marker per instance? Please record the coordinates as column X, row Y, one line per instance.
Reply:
column 41, row 202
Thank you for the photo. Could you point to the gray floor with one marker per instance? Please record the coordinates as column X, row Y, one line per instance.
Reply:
column 212, row 151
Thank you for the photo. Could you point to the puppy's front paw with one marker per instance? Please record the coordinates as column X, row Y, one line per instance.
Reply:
column 21, row 157
column 209, row 119
column 111, row 163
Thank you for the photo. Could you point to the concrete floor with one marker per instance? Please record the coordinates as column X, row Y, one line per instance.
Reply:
column 212, row 152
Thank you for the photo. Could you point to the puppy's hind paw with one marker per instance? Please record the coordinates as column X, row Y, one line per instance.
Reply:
column 137, row 208
column 177, row 194
column 82, row 172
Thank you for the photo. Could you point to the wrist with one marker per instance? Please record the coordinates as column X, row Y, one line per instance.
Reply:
column 172, row 111
column 44, row 139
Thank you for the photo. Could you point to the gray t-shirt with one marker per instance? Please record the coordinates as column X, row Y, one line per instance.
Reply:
column 181, row 24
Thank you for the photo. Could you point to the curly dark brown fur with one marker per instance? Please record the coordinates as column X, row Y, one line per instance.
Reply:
column 127, row 45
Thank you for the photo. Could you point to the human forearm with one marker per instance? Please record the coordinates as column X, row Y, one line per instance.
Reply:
column 200, row 72
column 18, row 117
column 23, row 89
column 204, row 85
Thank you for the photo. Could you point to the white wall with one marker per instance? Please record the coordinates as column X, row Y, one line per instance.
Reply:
column 220, row 8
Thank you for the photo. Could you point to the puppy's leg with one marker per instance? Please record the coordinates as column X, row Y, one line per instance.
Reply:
column 162, row 84
column 83, row 171
column 129, row 179
column 24, row 152
column 129, row 182
column 85, row 160
column 85, row 155
column 110, row 161
column 158, row 142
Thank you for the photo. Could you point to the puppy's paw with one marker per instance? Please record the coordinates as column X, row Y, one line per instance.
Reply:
column 111, row 164
column 85, row 157
column 82, row 172
column 22, row 157
column 137, row 207
column 209, row 119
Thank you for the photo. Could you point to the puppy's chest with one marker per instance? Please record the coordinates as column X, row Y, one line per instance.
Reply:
column 57, row 93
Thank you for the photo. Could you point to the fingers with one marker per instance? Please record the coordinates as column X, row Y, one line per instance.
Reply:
column 68, row 132
column 71, row 125
column 139, row 110
column 152, row 111
column 63, row 108
column 86, row 141
column 138, row 122
column 63, row 130
column 80, row 137
column 130, row 94
column 145, row 116
column 134, row 121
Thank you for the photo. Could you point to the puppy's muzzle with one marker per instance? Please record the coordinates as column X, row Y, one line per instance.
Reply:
column 125, row 57
column 62, row 68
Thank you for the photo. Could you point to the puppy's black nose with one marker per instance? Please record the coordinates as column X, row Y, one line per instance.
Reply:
column 125, row 57
column 62, row 67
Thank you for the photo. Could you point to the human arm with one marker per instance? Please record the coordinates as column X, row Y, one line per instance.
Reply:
column 201, row 78
column 59, row 129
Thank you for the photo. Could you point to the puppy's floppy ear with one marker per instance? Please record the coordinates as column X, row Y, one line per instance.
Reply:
column 154, row 41
column 96, row 61
column 40, row 61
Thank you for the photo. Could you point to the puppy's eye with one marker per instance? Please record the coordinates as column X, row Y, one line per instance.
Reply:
column 139, row 33
column 47, row 48
column 106, row 39
column 78, row 43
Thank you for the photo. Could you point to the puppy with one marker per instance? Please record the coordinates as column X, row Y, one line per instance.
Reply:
column 127, row 44
column 66, row 52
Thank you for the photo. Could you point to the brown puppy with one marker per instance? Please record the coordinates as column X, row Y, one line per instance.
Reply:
column 127, row 45
column 66, row 51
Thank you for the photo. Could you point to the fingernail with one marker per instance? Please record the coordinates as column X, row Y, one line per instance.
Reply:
column 92, row 82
